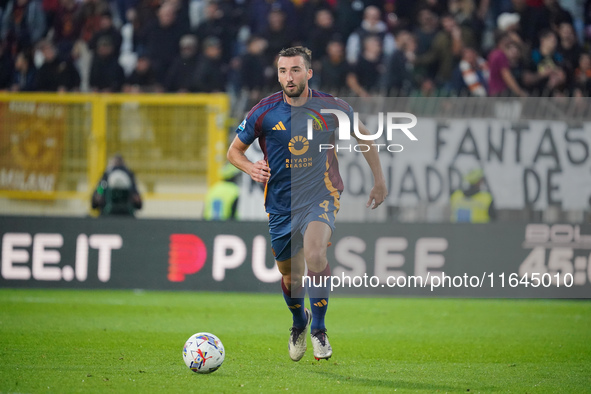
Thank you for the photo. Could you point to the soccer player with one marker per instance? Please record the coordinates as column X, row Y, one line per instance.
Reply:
column 302, row 189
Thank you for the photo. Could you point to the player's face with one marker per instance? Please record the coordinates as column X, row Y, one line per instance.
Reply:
column 293, row 75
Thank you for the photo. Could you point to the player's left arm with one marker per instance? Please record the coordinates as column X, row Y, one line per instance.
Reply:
column 379, row 191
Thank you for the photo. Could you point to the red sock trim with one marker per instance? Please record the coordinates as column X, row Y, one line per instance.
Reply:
column 285, row 291
column 289, row 292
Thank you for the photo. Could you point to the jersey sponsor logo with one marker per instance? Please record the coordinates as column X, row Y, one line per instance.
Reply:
column 298, row 162
column 279, row 126
column 298, row 145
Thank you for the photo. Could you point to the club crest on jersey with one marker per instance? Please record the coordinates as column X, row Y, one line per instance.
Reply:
column 317, row 122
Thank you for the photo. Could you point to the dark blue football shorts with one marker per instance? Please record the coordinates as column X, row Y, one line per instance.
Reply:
column 287, row 231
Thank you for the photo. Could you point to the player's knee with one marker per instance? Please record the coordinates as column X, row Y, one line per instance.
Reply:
column 316, row 259
column 292, row 281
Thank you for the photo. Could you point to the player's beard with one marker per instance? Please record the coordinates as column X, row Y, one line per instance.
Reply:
column 295, row 93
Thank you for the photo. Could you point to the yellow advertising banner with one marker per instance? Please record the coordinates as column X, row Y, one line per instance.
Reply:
column 31, row 145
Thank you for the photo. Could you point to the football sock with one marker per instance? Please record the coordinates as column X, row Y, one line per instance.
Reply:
column 295, row 302
column 318, row 292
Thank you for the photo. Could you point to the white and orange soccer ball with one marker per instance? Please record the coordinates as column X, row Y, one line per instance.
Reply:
column 203, row 352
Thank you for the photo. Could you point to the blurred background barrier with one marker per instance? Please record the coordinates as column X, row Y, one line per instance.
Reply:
column 533, row 155
column 481, row 260
column 54, row 149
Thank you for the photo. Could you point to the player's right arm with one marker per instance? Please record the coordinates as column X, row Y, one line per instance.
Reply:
column 258, row 171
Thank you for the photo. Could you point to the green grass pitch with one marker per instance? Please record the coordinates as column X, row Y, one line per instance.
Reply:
column 66, row 341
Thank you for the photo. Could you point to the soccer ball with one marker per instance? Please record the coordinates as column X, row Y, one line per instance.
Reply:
column 203, row 353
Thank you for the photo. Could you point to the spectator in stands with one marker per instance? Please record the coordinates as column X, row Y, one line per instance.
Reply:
column 365, row 76
column 259, row 12
column 472, row 75
column 568, row 47
column 440, row 7
column 107, row 29
column 116, row 193
column 23, row 24
column 217, row 24
column 400, row 78
column 349, row 15
column 89, row 17
column 221, row 200
column 446, row 49
column 472, row 205
column 428, row 88
column 307, row 13
column 122, row 7
column 510, row 23
column 373, row 25
column 106, row 74
column 587, row 23
column 531, row 21
column 546, row 75
column 50, row 8
column 24, row 73
column 583, row 76
column 6, row 66
column 278, row 34
column 497, row 7
column 334, row 68
column 467, row 15
column 128, row 56
column 3, row 4
column 253, row 67
column 56, row 75
column 536, row 18
column 425, row 32
column 181, row 72
column 236, row 12
column 426, row 29
column 146, row 15
column 66, row 27
column 211, row 72
column 321, row 33
column 161, row 40
column 505, row 70
column 555, row 14
column 182, row 13
column 142, row 78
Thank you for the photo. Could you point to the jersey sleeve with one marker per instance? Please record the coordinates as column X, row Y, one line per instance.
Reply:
column 344, row 106
column 246, row 131
column 348, row 109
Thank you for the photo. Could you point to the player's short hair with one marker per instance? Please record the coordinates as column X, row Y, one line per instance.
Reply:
column 304, row 52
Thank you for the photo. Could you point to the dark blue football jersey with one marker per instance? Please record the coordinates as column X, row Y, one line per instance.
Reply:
column 301, row 172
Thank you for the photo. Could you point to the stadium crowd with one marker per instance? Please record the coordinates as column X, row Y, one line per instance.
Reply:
column 360, row 47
